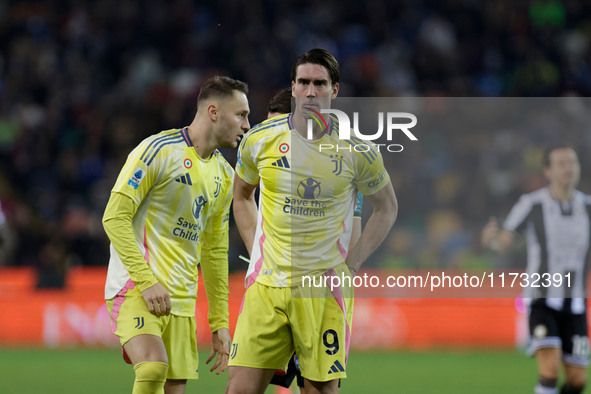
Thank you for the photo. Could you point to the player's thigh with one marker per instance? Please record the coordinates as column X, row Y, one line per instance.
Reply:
column 311, row 387
column 175, row 386
column 575, row 340
column 180, row 340
column 248, row 380
column 262, row 338
column 139, row 331
column 321, row 330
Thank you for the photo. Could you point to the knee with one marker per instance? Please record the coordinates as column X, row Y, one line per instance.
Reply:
column 549, row 371
column 151, row 371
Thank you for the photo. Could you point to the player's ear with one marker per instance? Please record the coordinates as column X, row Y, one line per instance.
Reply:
column 213, row 112
column 292, row 88
column 335, row 90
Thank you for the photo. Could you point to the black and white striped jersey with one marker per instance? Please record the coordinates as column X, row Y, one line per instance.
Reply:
column 558, row 242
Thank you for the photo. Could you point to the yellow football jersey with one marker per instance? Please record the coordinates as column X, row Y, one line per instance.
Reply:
column 182, row 219
column 307, row 197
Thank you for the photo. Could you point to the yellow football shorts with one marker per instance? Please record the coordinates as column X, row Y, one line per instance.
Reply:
column 274, row 321
column 130, row 317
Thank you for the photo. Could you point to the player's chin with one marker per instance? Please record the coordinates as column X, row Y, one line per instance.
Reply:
column 230, row 144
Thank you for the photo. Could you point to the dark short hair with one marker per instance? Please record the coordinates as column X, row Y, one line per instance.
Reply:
column 221, row 87
column 321, row 57
column 551, row 148
column 281, row 102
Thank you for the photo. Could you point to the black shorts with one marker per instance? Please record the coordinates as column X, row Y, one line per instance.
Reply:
column 549, row 328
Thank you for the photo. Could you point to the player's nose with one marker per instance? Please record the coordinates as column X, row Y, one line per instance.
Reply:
column 311, row 91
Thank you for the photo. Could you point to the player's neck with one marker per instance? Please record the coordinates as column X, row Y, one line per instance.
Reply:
column 301, row 125
column 204, row 146
column 561, row 193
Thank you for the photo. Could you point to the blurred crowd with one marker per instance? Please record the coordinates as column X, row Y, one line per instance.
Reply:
column 82, row 82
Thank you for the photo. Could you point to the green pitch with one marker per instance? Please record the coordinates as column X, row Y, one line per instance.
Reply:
column 103, row 371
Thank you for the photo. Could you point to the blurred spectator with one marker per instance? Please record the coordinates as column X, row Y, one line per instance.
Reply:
column 82, row 82
column 6, row 239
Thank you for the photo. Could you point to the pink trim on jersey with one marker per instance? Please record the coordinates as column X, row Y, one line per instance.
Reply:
column 118, row 302
column 130, row 284
column 342, row 249
column 241, row 304
column 259, row 263
column 338, row 296
column 186, row 136
column 146, row 254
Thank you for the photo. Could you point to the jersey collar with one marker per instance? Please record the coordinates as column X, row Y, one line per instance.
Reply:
column 186, row 137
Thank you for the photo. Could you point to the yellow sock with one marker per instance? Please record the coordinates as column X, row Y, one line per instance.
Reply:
column 150, row 377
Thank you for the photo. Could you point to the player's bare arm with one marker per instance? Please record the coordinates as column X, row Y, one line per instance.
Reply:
column 385, row 210
column 494, row 238
column 245, row 210
column 220, row 346
column 355, row 233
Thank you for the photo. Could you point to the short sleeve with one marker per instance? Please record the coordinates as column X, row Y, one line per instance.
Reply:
column 246, row 164
column 371, row 175
column 139, row 173
column 519, row 214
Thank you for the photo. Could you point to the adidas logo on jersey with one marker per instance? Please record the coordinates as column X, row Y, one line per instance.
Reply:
column 186, row 179
column 283, row 163
column 336, row 367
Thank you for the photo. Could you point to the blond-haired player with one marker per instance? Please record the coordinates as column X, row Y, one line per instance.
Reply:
column 168, row 213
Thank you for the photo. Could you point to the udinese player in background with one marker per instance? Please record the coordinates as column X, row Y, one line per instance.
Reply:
column 556, row 222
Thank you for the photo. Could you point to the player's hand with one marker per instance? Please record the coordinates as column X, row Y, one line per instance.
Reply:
column 220, row 343
column 490, row 232
column 157, row 299
column 352, row 270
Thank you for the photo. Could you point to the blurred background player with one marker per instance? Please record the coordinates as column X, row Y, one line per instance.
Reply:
column 556, row 221
column 280, row 104
column 168, row 213
column 6, row 239
column 287, row 243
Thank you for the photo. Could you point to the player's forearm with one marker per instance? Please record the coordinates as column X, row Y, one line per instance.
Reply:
column 214, row 267
column 378, row 226
column 245, row 215
column 117, row 222
column 355, row 232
